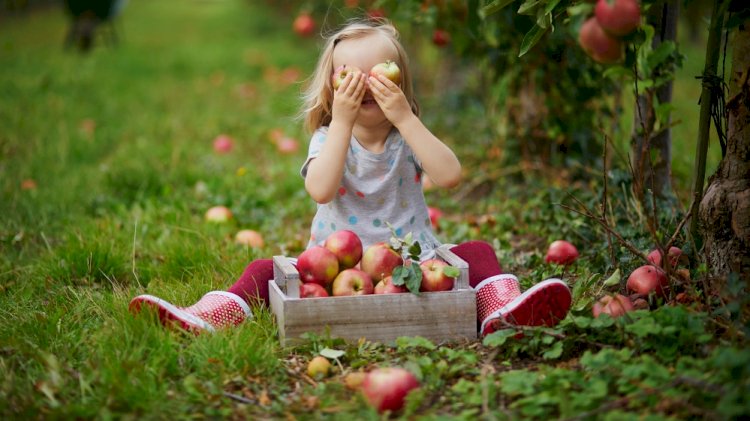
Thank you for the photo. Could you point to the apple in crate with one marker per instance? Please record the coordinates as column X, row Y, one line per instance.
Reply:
column 352, row 282
column 614, row 305
column 317, row 265
column 385, row 389
column 311, row 290
column 389, row 69
column 218, row 214
column 647, row 279
column 386, row 287
column 347, row 247
column 561, row 252
column 379, row 260
column 437, row 275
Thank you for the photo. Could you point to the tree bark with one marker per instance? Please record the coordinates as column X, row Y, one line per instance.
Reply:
column 652, row 152
column 725, row 208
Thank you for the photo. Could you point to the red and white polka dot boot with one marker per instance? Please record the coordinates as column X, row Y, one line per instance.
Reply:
column 216, row 310
column 500, row 302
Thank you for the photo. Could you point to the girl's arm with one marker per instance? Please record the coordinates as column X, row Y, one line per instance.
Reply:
column 438, row 160
column 324, row 172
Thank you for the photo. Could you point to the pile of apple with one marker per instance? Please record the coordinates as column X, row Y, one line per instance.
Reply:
column 601, row 35
column 340, row 267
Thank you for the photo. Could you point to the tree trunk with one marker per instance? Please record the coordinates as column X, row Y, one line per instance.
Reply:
column 725, row 209
column 652, row 152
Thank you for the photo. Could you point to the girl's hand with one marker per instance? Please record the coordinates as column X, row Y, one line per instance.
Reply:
column 348, row 98
column 391, row 99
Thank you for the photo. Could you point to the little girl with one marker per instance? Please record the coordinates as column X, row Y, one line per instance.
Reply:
column 365, row 162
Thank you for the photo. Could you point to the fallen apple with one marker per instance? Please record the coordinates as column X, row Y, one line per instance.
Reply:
column 354, row 380
column 346, row 246
column 218, row 214
column 340, row 74
column 379, row 260
column 352, row 282
column 223, row 144
column 598, row 44
column 304, row 25
column 614, row 305
column 389, row 69
column 311, row 290
column 318, row 367
column 317, row 265
column 287, row 145
column 618, row 17
column 386, row 286
column 674, row 254
column 249, row 238
column 647, row 279
column 434, row 277
column 561, row 252
column 386, row 389
column 435, row 216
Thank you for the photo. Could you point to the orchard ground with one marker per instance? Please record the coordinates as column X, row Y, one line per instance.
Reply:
column 108, row 167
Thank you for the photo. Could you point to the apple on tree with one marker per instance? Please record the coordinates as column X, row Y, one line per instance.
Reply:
column 317, row 265
column 618, row 17
column 346, row 246
column 561, row 252
column 598, row 44
column 385, row 389
column 441, row 37
column 352, row 282
column 304, row 25
column 389, row 69
column 379, row 260
column 437, row 275
column 312, row 290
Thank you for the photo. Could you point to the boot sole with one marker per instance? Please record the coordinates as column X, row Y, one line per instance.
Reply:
column 544, row 304
column 169, row 314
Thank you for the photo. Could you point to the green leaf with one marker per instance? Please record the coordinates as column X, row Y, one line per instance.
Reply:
column 531, row 38
column 661, row 53
column 554, row 352
column 527, row 7
column 399, row 275
column 414, row 278
column 495, row 6
column 498, row 338
column 551, row 6
column 451, row 271
column 614, row 279
column 406, row 342
column 415, row 250
column 332, row 353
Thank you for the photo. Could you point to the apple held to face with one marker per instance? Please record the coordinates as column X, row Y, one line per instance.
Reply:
column 379, row 260
column 311, row 290
column 340, row 74
column 317, row 265
column 561, row 252
column 614, row 305
column 386, row 389
column 347, row 247
column 647, row 279
column 434, row 277
column 218, row 214
column 598, row 44
column 674, row 254
column 386, row 287
column 618, row 17
column 352, row 282
column 388, row 69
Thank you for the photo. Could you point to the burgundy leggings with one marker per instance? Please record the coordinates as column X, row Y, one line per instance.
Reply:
column 252, row 285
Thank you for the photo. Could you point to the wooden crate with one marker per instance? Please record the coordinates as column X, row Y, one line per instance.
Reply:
column 438, row 316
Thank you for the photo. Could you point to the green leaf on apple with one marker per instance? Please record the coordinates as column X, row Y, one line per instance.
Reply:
column 415, row 250
column 451, row 271
column 398, row 277
column 411, row 276
column 613, row 280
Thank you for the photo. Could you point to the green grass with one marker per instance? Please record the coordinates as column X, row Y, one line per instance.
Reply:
column 118, row 211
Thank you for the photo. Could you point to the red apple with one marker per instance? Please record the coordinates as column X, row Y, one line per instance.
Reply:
column 379, row 260
column 249, row 238
column 618, row 17
column 287, row 145
column 347, row 247
column 352, row 282
column 28, row 184
column 435, row 216
column 599, row 45
column 304, row 25
column 441, row 37
column 674, row 255
column 388, row 69
column 647, row 279
column 340, row 74
column 317, row 265
column 434, row 277
column 223, row 144
column 561, row 252
column 311, row 290
column 386, row 287
column 614, row 305
column 218, row 214
column 318, row 367
column 386, row 388
column 376, row 13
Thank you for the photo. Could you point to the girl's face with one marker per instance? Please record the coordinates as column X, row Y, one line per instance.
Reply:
column 364, row 53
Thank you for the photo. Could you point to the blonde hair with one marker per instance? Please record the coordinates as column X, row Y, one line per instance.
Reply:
column 318, row 96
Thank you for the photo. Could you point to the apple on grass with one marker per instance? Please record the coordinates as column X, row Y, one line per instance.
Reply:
column 218, row 214
column 379, row 260
column 287, row 145
column 614, row 305
column 389, row 69
column 435, row 215
column 347, row 247
column 674, row 254
column 561, row 252
column 647, row 279
column 618, row 17
column 223, row 144
column 249, row 238
column 437, row 275
column 311, row 290
column 318, row 367
column 317, row 265
column 386, row 287
column 352, row 282
column 385, row 389
column 340, row 74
